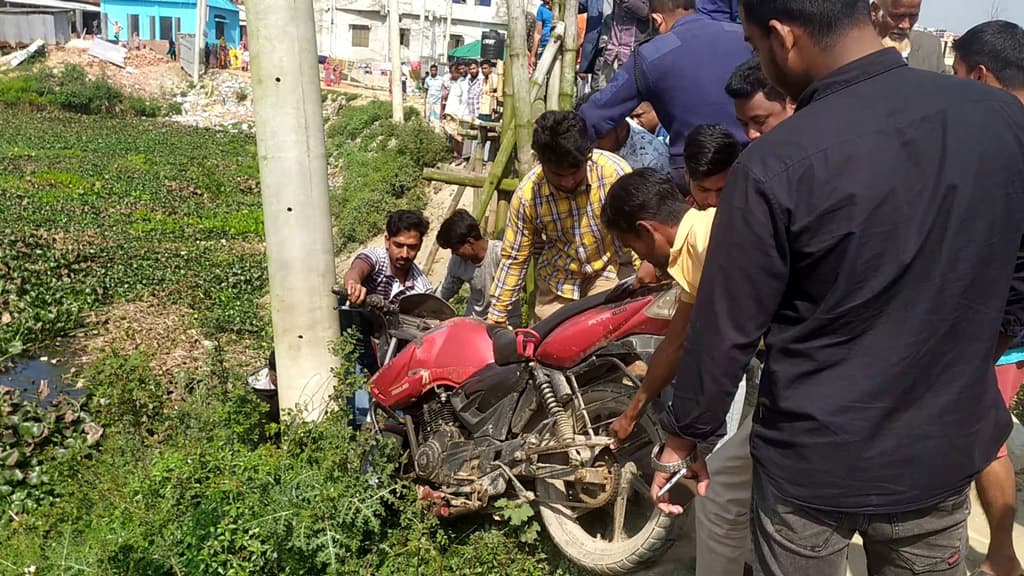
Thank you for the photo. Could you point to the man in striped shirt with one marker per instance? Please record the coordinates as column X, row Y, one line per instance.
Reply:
column 390, row 272
column 558, row 206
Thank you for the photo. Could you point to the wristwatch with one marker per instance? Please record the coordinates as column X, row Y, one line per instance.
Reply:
column 671, row 467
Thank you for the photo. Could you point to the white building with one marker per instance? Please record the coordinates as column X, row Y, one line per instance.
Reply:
column 358, row 30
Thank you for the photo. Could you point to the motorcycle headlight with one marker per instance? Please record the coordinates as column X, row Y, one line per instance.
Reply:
column 664, row 306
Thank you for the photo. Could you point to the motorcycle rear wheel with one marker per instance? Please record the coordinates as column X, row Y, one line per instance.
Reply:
column 646, row 533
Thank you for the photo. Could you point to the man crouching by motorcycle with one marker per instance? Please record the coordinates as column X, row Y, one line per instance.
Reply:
column 645, row 211
column 389, row 271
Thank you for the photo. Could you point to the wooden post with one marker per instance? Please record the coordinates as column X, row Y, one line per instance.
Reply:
column 520, row 81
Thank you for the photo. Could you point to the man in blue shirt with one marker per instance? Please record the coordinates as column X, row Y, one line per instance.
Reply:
column 681, row 72
column 542, row 34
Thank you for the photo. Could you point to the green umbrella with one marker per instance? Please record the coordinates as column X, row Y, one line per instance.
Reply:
column 469, row 51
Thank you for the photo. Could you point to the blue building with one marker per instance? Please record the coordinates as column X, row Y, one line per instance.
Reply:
column 164, row 19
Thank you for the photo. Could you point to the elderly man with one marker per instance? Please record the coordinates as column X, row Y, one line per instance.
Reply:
column 993, row 53
column 894, row 21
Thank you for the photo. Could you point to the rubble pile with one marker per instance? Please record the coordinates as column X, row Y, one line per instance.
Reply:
column 222, row 98
column 147, row 73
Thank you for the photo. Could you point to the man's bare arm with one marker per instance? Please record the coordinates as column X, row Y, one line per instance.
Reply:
column 353, row 280
column 660, row 372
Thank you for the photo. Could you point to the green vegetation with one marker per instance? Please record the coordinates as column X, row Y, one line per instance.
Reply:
column 163, row 477
column 72, row 90
column 120, row 209
column 182, row 488
column 382, row 162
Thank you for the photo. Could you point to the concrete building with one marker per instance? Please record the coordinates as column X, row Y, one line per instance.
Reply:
column 164, row 19
column 357, row 29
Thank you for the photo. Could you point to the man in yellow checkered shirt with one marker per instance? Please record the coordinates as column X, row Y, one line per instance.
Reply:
column 557, row 208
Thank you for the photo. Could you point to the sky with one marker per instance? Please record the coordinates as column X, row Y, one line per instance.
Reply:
column 959, row 15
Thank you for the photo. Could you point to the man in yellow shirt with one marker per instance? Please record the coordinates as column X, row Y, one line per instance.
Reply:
column 557, row 208
column 646, row 213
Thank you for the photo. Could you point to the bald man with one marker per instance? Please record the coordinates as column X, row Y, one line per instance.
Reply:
column 894, row 21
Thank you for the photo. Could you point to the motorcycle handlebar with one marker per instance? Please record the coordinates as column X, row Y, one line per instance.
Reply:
column 372, row 301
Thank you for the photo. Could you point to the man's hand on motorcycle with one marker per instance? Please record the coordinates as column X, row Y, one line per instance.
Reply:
column 356, row 292
column 621, row 428
column 647, row 274
column 677, row 449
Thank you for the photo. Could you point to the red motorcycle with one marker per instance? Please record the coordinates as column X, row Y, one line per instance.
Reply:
column 482, row 412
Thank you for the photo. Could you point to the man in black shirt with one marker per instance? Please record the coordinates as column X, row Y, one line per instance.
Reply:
column 871, row 238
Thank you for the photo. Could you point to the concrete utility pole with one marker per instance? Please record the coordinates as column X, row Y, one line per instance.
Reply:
column 296, row 208
column 446, row 45
column 199, row 48
column 395, row 48
column 423, row 31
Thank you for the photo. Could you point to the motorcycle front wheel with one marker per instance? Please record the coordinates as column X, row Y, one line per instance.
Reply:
column 613, row 538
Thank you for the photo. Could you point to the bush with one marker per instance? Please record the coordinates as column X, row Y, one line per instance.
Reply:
column 382, row 164
column 72, row 90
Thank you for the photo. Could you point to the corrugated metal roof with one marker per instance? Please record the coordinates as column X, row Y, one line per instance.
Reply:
column 61, row 4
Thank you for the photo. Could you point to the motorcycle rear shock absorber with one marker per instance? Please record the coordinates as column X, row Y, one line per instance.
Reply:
column 564, row 429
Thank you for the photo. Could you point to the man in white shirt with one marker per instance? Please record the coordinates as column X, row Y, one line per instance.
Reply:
column 454, row 110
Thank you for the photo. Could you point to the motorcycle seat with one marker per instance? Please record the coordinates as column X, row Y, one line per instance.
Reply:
column 507, row 343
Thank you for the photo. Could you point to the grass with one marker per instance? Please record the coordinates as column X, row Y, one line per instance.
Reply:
column 122, row 209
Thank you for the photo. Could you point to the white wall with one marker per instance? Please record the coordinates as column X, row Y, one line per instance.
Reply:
column 334, row 37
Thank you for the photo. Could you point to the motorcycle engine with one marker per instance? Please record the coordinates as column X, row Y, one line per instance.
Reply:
column 438, row 428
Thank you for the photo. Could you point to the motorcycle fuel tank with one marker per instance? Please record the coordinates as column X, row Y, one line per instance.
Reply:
column 446, row 355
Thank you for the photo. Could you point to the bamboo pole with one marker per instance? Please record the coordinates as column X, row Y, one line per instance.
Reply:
column 570, row 50
column 508, row 126
column 554, row 83
column 520, row 81
column 547, row 61
column 470, row 180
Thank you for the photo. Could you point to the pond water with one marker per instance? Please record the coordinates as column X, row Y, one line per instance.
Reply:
column 26, row 374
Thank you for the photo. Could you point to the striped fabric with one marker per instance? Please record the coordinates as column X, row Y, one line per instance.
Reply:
column 576, row 248
column 383, row 282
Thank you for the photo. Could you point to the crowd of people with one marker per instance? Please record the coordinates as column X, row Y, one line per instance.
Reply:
column 469, row 93
column 845, row 224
